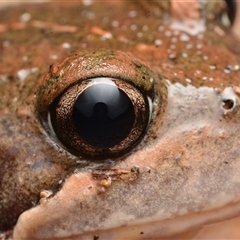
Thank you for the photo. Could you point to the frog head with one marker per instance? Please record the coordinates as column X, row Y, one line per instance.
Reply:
column 174, row 165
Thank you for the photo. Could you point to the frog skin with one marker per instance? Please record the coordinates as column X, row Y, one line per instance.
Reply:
column 182, row 175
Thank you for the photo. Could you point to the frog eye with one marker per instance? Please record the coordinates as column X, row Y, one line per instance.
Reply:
column 98, row 104
column 100, row 117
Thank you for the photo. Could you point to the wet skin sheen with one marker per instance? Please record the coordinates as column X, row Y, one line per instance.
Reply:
column 183, row 171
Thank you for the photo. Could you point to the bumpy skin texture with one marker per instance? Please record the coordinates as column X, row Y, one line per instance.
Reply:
column 186, row 164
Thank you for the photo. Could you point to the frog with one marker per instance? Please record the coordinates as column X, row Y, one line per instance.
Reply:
column 175, row 173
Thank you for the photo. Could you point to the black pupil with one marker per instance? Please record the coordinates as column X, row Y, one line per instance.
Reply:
column 103, row 115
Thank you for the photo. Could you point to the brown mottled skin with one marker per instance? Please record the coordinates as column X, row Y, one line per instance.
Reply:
column 188, row 159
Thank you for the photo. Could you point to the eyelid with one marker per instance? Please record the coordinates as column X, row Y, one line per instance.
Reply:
column 91, row 64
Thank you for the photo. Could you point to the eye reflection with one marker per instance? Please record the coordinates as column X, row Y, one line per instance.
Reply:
column 103, row 115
